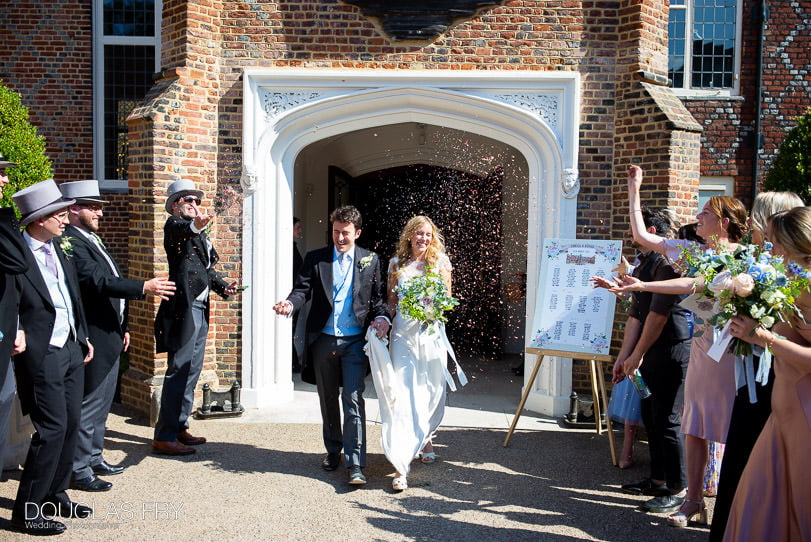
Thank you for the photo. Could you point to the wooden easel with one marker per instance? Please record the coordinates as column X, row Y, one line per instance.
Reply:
column 597, row 387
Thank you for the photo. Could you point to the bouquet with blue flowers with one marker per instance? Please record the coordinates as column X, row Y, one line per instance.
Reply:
column 750, row 282
column 425, row 298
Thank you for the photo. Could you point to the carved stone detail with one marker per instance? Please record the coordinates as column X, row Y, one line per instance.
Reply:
column 249, row 180
column 570, row 182
column 545, row 106
column 274, row 103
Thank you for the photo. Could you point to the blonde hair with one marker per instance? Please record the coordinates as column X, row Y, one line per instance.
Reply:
column 733, row 209
column 792, row 229
column 403, row 250
column 768, row 203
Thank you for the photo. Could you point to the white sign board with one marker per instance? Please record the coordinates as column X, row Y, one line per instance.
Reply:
column 571, row 315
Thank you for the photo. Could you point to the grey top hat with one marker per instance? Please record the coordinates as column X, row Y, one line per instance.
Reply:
column 39, row 200
column 82, row 191
column 5, row 163
column 183, row 187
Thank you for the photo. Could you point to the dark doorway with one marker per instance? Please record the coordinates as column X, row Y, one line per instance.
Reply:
column 468, row 211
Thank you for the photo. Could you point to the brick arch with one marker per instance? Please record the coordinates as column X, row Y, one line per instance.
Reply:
column 285, row 112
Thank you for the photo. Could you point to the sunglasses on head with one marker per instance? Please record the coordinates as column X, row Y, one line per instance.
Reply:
column 191, row 199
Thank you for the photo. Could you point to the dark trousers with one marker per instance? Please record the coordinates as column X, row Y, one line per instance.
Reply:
column 296, row 362
column 58, row 387
column 185, row 365
column 340, row 363
column 664, row 370
column 745, row 426
column 7, row 387
column 92, row 425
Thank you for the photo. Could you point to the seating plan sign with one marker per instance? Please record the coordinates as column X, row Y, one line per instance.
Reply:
column 571, row 315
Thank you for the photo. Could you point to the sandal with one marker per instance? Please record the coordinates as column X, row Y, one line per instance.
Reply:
column 428, row 457
column 399, row 483
column 682, row 517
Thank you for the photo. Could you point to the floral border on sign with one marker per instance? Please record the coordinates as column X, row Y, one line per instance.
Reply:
column 609, row 252
column 600, row 343
column 553, row 250
column 542, row 337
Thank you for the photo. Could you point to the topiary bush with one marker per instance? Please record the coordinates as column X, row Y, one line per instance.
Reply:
column 791, row 169
column 20, row 143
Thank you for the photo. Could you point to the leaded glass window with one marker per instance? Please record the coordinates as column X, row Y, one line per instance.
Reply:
column 704, row 46
column 127, row 51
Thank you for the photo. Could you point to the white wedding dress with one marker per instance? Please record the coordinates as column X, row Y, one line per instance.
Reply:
column 412, row 387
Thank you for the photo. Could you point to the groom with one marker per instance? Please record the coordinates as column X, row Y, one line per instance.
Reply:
column 347, row 293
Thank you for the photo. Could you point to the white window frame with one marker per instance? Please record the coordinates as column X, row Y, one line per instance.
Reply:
column 725, row 185
column 99, row 43
column 686, row 90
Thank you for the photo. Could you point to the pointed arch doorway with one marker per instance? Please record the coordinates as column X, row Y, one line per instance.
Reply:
column 290, row 113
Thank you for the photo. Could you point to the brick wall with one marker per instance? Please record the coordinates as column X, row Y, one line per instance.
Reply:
column 46, row 58
column 729, row 143
column 652, row 129
column 786, row 68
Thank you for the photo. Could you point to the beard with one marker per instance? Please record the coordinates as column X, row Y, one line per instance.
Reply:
column 88, row 223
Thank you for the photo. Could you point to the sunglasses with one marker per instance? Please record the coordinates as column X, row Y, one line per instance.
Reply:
column 191, row 199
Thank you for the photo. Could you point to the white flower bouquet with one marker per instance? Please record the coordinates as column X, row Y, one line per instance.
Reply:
column 750, row 282
column 425, row 298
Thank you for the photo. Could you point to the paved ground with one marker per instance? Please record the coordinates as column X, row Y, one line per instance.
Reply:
column 259, row 478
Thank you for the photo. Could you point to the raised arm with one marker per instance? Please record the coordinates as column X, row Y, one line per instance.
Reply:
column 641, row 235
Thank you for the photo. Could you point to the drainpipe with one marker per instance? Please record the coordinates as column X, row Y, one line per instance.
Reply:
column 763, row 17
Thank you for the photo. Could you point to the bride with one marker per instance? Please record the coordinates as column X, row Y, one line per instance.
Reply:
column 418, row 352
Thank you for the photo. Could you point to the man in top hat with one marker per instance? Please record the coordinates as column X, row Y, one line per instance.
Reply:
column 181, row 325
column 104, row 296
column 50, row 372
column 12, row 340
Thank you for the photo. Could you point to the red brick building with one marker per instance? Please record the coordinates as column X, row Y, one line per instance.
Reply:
column 511, row 121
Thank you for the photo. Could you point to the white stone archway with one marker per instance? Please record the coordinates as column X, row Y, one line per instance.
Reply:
column 286, row 110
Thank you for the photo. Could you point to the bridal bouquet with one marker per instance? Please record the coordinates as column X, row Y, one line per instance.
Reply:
column 425, row 299
column 750, row 282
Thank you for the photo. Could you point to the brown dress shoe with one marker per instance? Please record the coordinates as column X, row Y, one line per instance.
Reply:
column 171, row 447
column 190, row 440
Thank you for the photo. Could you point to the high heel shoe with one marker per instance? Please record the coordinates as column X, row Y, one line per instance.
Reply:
column 683, row 517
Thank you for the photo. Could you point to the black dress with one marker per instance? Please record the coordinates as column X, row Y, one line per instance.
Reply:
column 745, row 426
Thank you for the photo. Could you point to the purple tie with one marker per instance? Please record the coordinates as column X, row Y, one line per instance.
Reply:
column 50, row 263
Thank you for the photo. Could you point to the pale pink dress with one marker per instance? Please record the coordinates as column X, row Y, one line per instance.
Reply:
column 773, row 499
column 709, row 387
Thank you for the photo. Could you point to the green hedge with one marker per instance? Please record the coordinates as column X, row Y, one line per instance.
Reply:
column 20, row 143
column 791, row 169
